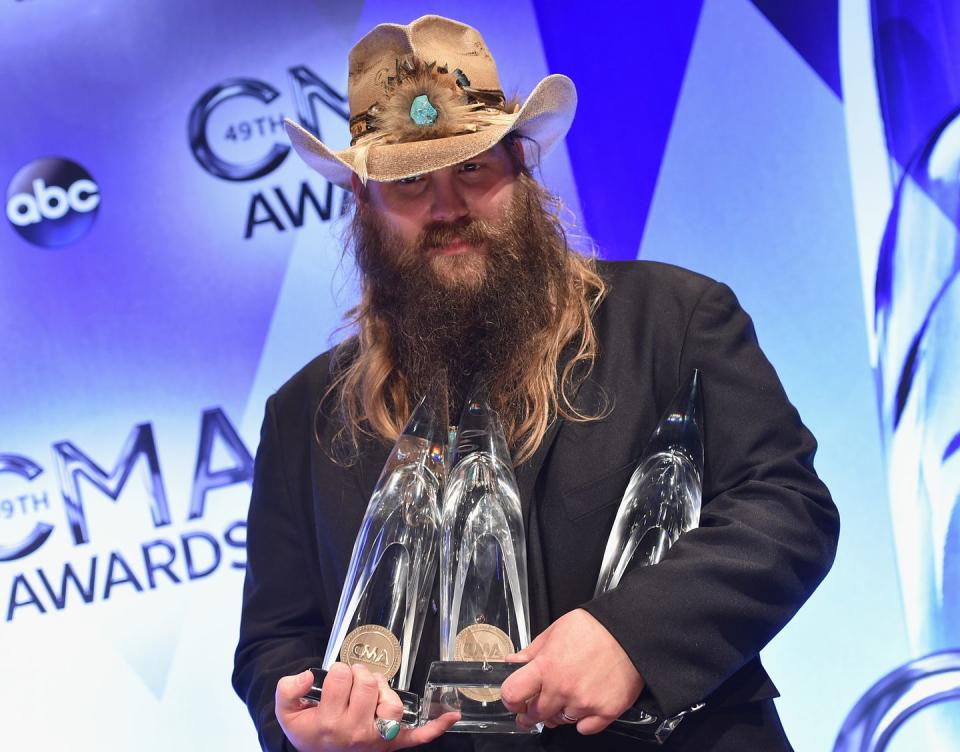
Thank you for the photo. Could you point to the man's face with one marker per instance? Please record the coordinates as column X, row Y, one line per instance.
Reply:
column 430, row 214
column 461, row 269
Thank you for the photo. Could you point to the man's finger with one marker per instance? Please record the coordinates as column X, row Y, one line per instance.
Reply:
column 290, row 689
column 389, row 707
column 530, row 651
column 364, row 697
column 541, row 708
column 335, row 696
column 427, row 733
column 520, row 686
column 593, row 724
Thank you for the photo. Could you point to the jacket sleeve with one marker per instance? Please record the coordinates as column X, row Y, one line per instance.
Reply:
column 281, row 627
column 768, row 527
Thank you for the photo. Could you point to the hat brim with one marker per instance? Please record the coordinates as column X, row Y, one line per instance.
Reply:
column 544, row 117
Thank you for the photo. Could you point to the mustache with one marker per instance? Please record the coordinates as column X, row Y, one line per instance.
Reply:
column 471, row 231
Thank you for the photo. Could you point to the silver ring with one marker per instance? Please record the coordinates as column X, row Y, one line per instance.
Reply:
column 567, row 718
column 387, row 728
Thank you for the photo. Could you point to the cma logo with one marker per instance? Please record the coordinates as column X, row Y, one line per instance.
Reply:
column 480, row 651
column 74, row 465
column 52, row 202
column 370, row 654
column 313, row 98
column 236, row 133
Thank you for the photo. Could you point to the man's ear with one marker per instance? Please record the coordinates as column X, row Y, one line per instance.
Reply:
column 359, row 190
column 516, row 154
column 518, row 148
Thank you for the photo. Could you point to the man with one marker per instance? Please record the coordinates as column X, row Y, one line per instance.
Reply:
column 466, row 269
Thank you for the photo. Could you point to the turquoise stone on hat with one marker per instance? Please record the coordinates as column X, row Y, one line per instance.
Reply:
column 422, row 112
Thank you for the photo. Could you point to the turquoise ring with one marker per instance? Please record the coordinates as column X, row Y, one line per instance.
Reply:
column 388, row 729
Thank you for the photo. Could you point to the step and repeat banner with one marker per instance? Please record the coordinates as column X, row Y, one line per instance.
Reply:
column 166, row 262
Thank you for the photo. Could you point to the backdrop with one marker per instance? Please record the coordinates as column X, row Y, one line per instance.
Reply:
column 166, row 263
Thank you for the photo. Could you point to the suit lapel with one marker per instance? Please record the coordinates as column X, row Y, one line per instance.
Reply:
column 527, row 475
column 528, row 472
column 368, row 467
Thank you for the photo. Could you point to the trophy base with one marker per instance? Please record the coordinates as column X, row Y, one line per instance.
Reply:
column 473, row 689
column 411, row 702
column 638, row 724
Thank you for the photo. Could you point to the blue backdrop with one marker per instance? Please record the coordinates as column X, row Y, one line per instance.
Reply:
column 166, row 263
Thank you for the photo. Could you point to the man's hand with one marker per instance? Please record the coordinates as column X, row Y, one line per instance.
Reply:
column 351, row 701
column 574, row 667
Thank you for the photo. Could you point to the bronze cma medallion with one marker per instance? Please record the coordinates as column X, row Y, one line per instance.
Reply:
column 375, row 647
column 482, row 642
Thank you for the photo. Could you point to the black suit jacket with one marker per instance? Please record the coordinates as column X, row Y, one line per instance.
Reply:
column 693, row 625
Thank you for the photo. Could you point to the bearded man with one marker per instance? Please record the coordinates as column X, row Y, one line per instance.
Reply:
column 466, row 271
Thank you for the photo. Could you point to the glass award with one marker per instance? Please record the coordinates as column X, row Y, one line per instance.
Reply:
column 662, row 501
column 484, row 608
column 392, row 569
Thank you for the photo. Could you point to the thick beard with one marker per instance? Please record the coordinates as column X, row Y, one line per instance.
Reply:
column 476, row 316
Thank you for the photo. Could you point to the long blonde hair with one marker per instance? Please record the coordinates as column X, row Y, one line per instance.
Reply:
column 371, row 397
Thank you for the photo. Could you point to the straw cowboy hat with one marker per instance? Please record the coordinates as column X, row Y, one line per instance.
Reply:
column 426, row 96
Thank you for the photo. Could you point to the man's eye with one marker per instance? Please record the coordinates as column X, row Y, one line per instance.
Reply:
column 410, row 180
column 469, row 167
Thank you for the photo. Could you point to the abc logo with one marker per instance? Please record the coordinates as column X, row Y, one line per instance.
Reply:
column 52, row 202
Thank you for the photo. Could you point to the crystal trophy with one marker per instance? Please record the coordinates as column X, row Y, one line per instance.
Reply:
column 483, row 580
column 394, row 561
column 662, row 501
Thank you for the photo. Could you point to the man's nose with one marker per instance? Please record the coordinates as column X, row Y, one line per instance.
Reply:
column 448, row 203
